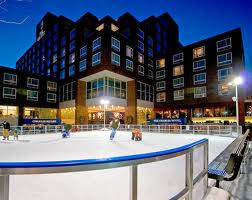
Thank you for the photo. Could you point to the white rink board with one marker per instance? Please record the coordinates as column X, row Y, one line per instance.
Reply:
column 160, row 180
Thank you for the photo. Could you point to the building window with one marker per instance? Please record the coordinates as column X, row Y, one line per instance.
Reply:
column 145, row 92
column 199, row 65
column 150, row 63
column 199, row 52
column 114, row 28
column 115, row 44
column 223, row 74
column 51, row 86
column 62, row 63
column 150, row 52
column 96, row 43
column 55, row 58
column 83, row 65
column 83, row 51
column 96, row 59
column 140, row 46
column 178, row 82
column 150, row 74
column 161, row 97
column 223, row 45
column 199, row 78
column 129, row 52
column 32, row 83
column 199, row 92
column 115, row 58
column 150, row 41
column 72, row 46
column 67, row 92
column 71, row 58
column 141, row 70
column 10, row 79
column 140, row 34
column 224, row 59
column 160, row 63
column 224, row 89
column 129, row 65
column 140, row 58
column 178, row 70
column 178, row 95
column 55, row 68
column 177, row 58
column 160, row 74
column 32, row 95
column 9, row 93
column 100, row 27
column 63, row 41
column 160, row 86
column 71, row 70
column 72, row 34
column 62, row 74
column 51, row 97
column 63, row 52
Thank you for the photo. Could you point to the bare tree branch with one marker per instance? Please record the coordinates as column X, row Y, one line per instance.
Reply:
column 14, row 22
column 1, row 7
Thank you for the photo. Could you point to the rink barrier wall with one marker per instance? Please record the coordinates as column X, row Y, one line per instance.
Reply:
column 192, row 178
column 223, row 130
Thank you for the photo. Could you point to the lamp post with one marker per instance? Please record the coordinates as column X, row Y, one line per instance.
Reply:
column 237, row 81
column 104, row 102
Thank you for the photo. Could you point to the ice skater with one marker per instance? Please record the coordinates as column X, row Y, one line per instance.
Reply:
column 114, row 125
column 136, row 134
column 16, row 132
column 6, row 130
column 66, row 131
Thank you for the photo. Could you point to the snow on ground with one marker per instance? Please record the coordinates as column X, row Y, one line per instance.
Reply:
column 159, row 180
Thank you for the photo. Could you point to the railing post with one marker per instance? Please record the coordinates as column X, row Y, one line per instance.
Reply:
column 180, row 129
column 21, row 130
column 4, row 187
column 189, row 174
column 193, row 131
column 207, row 129
column 45, row 129
column 158, row 128
column 133, row 183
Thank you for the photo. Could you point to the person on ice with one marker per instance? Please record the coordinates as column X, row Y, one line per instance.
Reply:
column 66, row 131
column 16, row 132
column 114, row 125
column 136, row 134
column 6, row 130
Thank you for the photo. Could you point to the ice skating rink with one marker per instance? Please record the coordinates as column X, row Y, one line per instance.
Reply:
column 156, row 181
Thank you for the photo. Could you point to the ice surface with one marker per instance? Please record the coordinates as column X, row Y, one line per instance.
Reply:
column 160, row 180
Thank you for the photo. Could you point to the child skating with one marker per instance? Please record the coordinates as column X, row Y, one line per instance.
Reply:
column 136, row 135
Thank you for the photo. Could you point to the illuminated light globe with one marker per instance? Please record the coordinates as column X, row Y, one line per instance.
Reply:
column 238, row 80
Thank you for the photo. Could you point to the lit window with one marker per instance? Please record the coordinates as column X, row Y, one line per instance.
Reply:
column 83, row 65
column 99, row 28
column 178, row 70
column 223, row 44
column 145, row 91
column 160, row 86
column 114, row 27
column 161, row 97
column 177, row 58
column 140, row 46
column 62, row 63
column 199, row 78
column 51, row 86
column 199, row 52
column 224, row 89
column 223, row 74
column 55, row 58
column 9, row 93
column 178, row 95
column 96, row 43
column 160, row 63
column 32, row 95
column 140, row 58
column 62, row 75
column 199, row 92
column 140, row 34
column 115, row 59
column 83, row 51
column 160, row 74
column 178, row 82
column 71, row 58
column 150, row 52
column 129, row 52
column 71, row 70
column 10, row 79
column 150, row 63
column 129, row 65
column 32, row 83
column 224, row 59
column 51, row 97
column 150, row 74
column 115, row 44
column 199, row 65
column 141, row 70
column 96, row 59
column 72, row 46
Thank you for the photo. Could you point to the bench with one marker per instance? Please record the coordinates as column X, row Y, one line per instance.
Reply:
column 227, row 165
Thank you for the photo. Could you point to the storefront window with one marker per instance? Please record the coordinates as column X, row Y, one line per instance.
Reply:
column 40, row 113
column 9, row 113
column 167, row 114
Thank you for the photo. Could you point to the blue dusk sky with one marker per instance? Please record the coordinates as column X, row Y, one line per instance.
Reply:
column 197, row 20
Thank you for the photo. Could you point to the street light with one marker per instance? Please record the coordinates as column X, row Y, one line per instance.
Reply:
column 237, row 81
column 104, row 102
